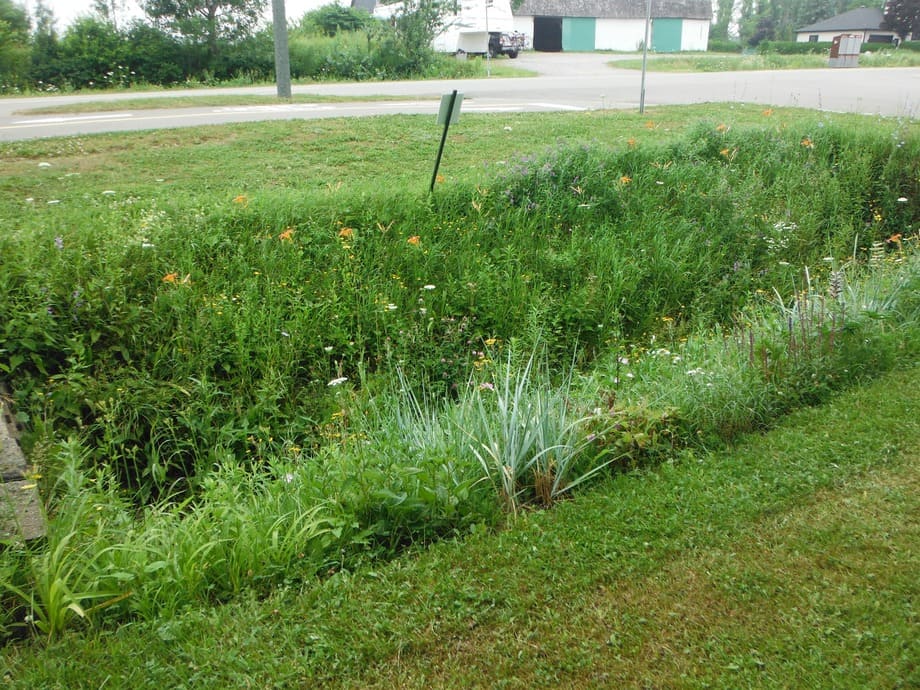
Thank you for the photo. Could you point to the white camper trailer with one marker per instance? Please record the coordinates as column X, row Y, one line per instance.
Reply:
column 481, row 26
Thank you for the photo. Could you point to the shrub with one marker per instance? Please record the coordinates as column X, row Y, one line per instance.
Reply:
column 717, row 45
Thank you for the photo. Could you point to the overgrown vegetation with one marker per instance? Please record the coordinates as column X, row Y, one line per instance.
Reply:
column 787, row 559
column 195, row 43
column 872, row 56
column 227, row 395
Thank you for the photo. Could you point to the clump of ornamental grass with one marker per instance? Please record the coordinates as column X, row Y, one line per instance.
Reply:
column 527, row 432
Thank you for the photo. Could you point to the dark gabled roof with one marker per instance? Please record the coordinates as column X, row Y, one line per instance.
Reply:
column 854, row 20
column 616, row 9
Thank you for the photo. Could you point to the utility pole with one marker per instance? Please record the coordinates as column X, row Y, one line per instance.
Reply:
column 488, row 42
column 282, row 56
column 648, row 37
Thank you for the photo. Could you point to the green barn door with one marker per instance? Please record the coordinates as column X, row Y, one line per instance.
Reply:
column 666, row 34
column 578, row 33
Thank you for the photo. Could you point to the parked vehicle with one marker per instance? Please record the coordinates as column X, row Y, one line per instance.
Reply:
column 481, row 27
column 509, row 43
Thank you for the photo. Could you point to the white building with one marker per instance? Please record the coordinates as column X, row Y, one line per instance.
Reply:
column 584, row 25
column 865, row 22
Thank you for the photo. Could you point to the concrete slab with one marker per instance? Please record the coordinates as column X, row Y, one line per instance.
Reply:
column 21, row 513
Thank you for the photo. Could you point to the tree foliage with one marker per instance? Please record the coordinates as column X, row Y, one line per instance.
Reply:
column 415, row 26
column 14, row 44
column 329, row 20
column 769, row 20
column 45, row 48
column 109, row 10
column 206, row 22
column 903, row 16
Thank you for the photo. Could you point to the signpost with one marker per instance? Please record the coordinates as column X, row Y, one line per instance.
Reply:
column 448, row 114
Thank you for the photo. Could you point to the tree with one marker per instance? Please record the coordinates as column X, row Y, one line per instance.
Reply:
column 45, row 71
column 15, row 17
column 155, row 57
column 109, row 10
column 206, row 22
column 92, row 54
column 903, row 16
column 14, row 44
column 723, row 11
column 415, row 26
column 330, row 19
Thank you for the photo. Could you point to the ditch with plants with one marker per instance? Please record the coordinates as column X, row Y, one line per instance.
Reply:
column 225, row 393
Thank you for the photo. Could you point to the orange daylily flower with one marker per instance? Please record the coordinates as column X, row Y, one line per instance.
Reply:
column 722, row 128
column 625, row 179
column 439, row 179
column 346, row 233
column 415, row 240
column 287, row 235
column 808, row 143
column 241, row 199
column 175, row 280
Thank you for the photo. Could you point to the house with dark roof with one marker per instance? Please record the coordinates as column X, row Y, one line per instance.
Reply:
column 584, row 25
column 864, row 21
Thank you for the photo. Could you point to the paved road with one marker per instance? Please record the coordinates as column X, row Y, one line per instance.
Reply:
column 576, row 81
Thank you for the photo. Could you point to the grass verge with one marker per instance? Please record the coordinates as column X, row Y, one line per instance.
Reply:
column 166, row 100
column 725, row 62
column 787, row 560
